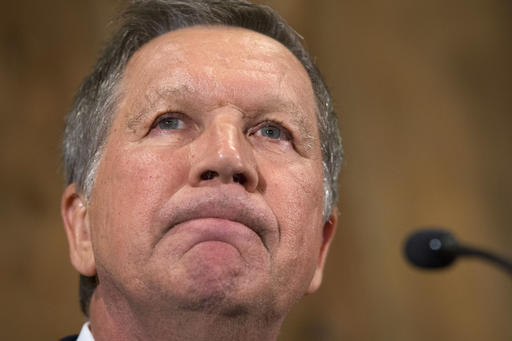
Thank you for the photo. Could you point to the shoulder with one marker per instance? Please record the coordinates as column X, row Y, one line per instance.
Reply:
column 69, row 338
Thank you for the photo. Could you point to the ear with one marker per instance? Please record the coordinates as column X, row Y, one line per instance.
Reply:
column 73, row 209
column 328, row 233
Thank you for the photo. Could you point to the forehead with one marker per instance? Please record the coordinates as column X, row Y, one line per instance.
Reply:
column 226, row 62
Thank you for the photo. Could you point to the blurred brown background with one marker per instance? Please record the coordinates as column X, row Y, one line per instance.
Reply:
column 424, row 93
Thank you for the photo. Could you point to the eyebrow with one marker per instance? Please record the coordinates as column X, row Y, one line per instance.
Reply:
column 296, row 113
column 305, row 131
column 152, row 97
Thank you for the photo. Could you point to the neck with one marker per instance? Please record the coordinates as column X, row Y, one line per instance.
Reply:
column 116, row 320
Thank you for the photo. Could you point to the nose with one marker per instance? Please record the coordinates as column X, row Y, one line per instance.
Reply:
column 222, row 155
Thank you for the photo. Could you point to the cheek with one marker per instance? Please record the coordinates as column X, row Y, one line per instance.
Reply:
column 131, row 187
column 295, row 194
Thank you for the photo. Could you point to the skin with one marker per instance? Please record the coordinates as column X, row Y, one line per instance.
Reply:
column 207, row 204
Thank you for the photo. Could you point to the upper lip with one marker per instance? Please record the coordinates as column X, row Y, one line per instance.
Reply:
column 229, row 205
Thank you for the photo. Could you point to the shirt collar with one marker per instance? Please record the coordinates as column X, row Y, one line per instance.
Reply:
column 85, row 333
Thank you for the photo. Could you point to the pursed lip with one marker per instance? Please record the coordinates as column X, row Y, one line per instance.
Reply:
column 230, row 206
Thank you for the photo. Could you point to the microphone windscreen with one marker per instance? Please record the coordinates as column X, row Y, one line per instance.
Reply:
column 430, row 248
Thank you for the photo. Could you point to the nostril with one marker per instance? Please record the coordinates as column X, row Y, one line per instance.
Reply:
column 208, row 175
column 239, row 178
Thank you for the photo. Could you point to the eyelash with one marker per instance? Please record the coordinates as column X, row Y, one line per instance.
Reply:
column 167, row 115
column 286, row 135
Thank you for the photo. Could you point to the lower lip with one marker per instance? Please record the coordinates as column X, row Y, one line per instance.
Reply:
column 215, row 251
column 196, row 231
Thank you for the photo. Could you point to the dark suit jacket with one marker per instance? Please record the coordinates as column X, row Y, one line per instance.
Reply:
column 70, row 338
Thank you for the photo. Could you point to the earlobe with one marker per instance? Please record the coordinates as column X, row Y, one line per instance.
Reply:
column 328, row 231
column 76, row 224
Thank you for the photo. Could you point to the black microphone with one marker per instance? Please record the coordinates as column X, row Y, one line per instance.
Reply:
column 433, row 248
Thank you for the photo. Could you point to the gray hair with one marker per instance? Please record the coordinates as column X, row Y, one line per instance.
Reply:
column 89, row 121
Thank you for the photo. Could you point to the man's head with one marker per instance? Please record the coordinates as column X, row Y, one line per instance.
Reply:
column 202, row 156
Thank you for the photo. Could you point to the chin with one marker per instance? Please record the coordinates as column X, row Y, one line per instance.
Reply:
column 226, row 292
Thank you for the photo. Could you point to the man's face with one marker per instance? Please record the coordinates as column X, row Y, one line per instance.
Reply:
column 209, row 191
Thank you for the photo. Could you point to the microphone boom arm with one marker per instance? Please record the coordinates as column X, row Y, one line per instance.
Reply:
column 487, row 255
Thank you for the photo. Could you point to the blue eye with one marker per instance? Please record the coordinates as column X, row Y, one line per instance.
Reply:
column 271, row 132
column 170, row 123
